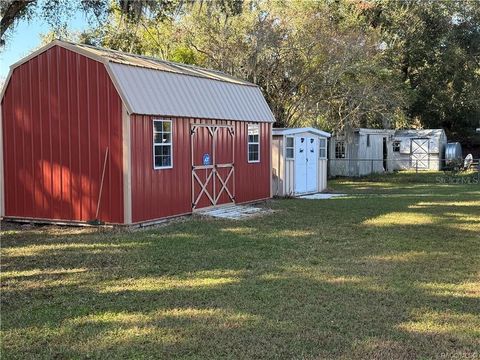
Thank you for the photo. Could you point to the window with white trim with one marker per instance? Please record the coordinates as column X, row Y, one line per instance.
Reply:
column 289, row 148
column 253, row 143
column 322, row 148
column 162, row 144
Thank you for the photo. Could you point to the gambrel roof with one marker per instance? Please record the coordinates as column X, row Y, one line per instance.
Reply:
column 151, row 86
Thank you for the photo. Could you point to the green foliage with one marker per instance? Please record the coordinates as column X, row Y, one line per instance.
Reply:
column 333, row 64
column 436, row 46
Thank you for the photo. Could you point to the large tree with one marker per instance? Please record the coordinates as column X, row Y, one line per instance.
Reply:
column 317, row 63
column 436, row 46
column 57, row 12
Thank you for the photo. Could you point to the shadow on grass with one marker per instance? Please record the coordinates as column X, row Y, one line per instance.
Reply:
column 358, row 277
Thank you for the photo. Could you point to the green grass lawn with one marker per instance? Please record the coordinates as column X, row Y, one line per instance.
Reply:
column 368, row 276
column 434, row 183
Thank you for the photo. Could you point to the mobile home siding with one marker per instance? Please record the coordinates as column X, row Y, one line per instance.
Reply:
column 60, row 112
column 160, row 193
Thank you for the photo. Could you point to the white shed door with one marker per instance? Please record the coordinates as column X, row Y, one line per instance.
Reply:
column 306, row 164
column 420, row 153
column 312, row 164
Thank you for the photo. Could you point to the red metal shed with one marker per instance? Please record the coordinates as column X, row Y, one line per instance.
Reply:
column 87, row 130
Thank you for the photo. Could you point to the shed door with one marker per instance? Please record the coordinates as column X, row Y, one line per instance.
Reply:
column 312, row 164
column 420, row 153
column 306, row 163
column 300, row 165
column 212, row 165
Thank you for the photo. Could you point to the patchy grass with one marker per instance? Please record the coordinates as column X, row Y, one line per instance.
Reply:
column 359, row 277
column 426, row 183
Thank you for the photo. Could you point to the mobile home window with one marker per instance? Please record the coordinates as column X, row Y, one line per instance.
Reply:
column 253, row 143
column 396, row 146
column 290, row 148
column 340, row 150
column 368, row 140
column 322, row 148
column 162, row 144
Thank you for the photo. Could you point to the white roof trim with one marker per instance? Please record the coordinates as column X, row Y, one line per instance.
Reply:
column 293, row 131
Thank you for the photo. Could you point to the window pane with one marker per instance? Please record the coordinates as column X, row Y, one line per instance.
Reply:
column 290, row 142
column 167, row 126
column 396, row 146
column 162, row 161
column 253, row 152
column 253, row 142
column 158, row 161
column 289, row 153
column 322, row 153
column 166, row 160
column 166, row 137
column 322, row 142
column 165, row 150
column 157, row 138
column 252, row 129
column 157, row 126
column 162, row 140
column 340, row 150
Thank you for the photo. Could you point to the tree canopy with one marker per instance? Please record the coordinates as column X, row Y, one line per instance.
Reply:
column 330, row 64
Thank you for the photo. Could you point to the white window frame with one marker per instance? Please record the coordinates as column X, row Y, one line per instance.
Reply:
column 289, row 147
column 253, row 126
column 154, row 144
column 322, row 147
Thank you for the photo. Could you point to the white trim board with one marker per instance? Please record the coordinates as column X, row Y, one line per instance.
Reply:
column 127, row 168
column 294, row 131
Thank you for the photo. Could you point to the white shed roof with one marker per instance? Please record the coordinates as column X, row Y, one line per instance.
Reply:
column 151, row 86
column 293, row 131
column 427, row 133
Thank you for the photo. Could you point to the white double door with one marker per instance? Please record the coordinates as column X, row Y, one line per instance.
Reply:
column 306, row 164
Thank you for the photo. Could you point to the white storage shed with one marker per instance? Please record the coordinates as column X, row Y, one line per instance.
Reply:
column 299, row 161
column 419, row 149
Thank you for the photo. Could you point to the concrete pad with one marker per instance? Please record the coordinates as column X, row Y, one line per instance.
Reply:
column 321, row 196
column 234, row 212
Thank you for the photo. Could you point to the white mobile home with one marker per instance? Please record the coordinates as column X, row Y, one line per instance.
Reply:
column 360, row 152
column 365, row 151
column 299, row 161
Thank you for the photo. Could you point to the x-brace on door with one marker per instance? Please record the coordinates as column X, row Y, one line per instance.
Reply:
column 213, row 165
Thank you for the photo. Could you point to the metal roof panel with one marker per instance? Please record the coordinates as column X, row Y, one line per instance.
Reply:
column 153, row 92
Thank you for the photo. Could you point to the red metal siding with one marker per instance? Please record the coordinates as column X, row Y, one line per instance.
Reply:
column 168, row 192
column 60, row 113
